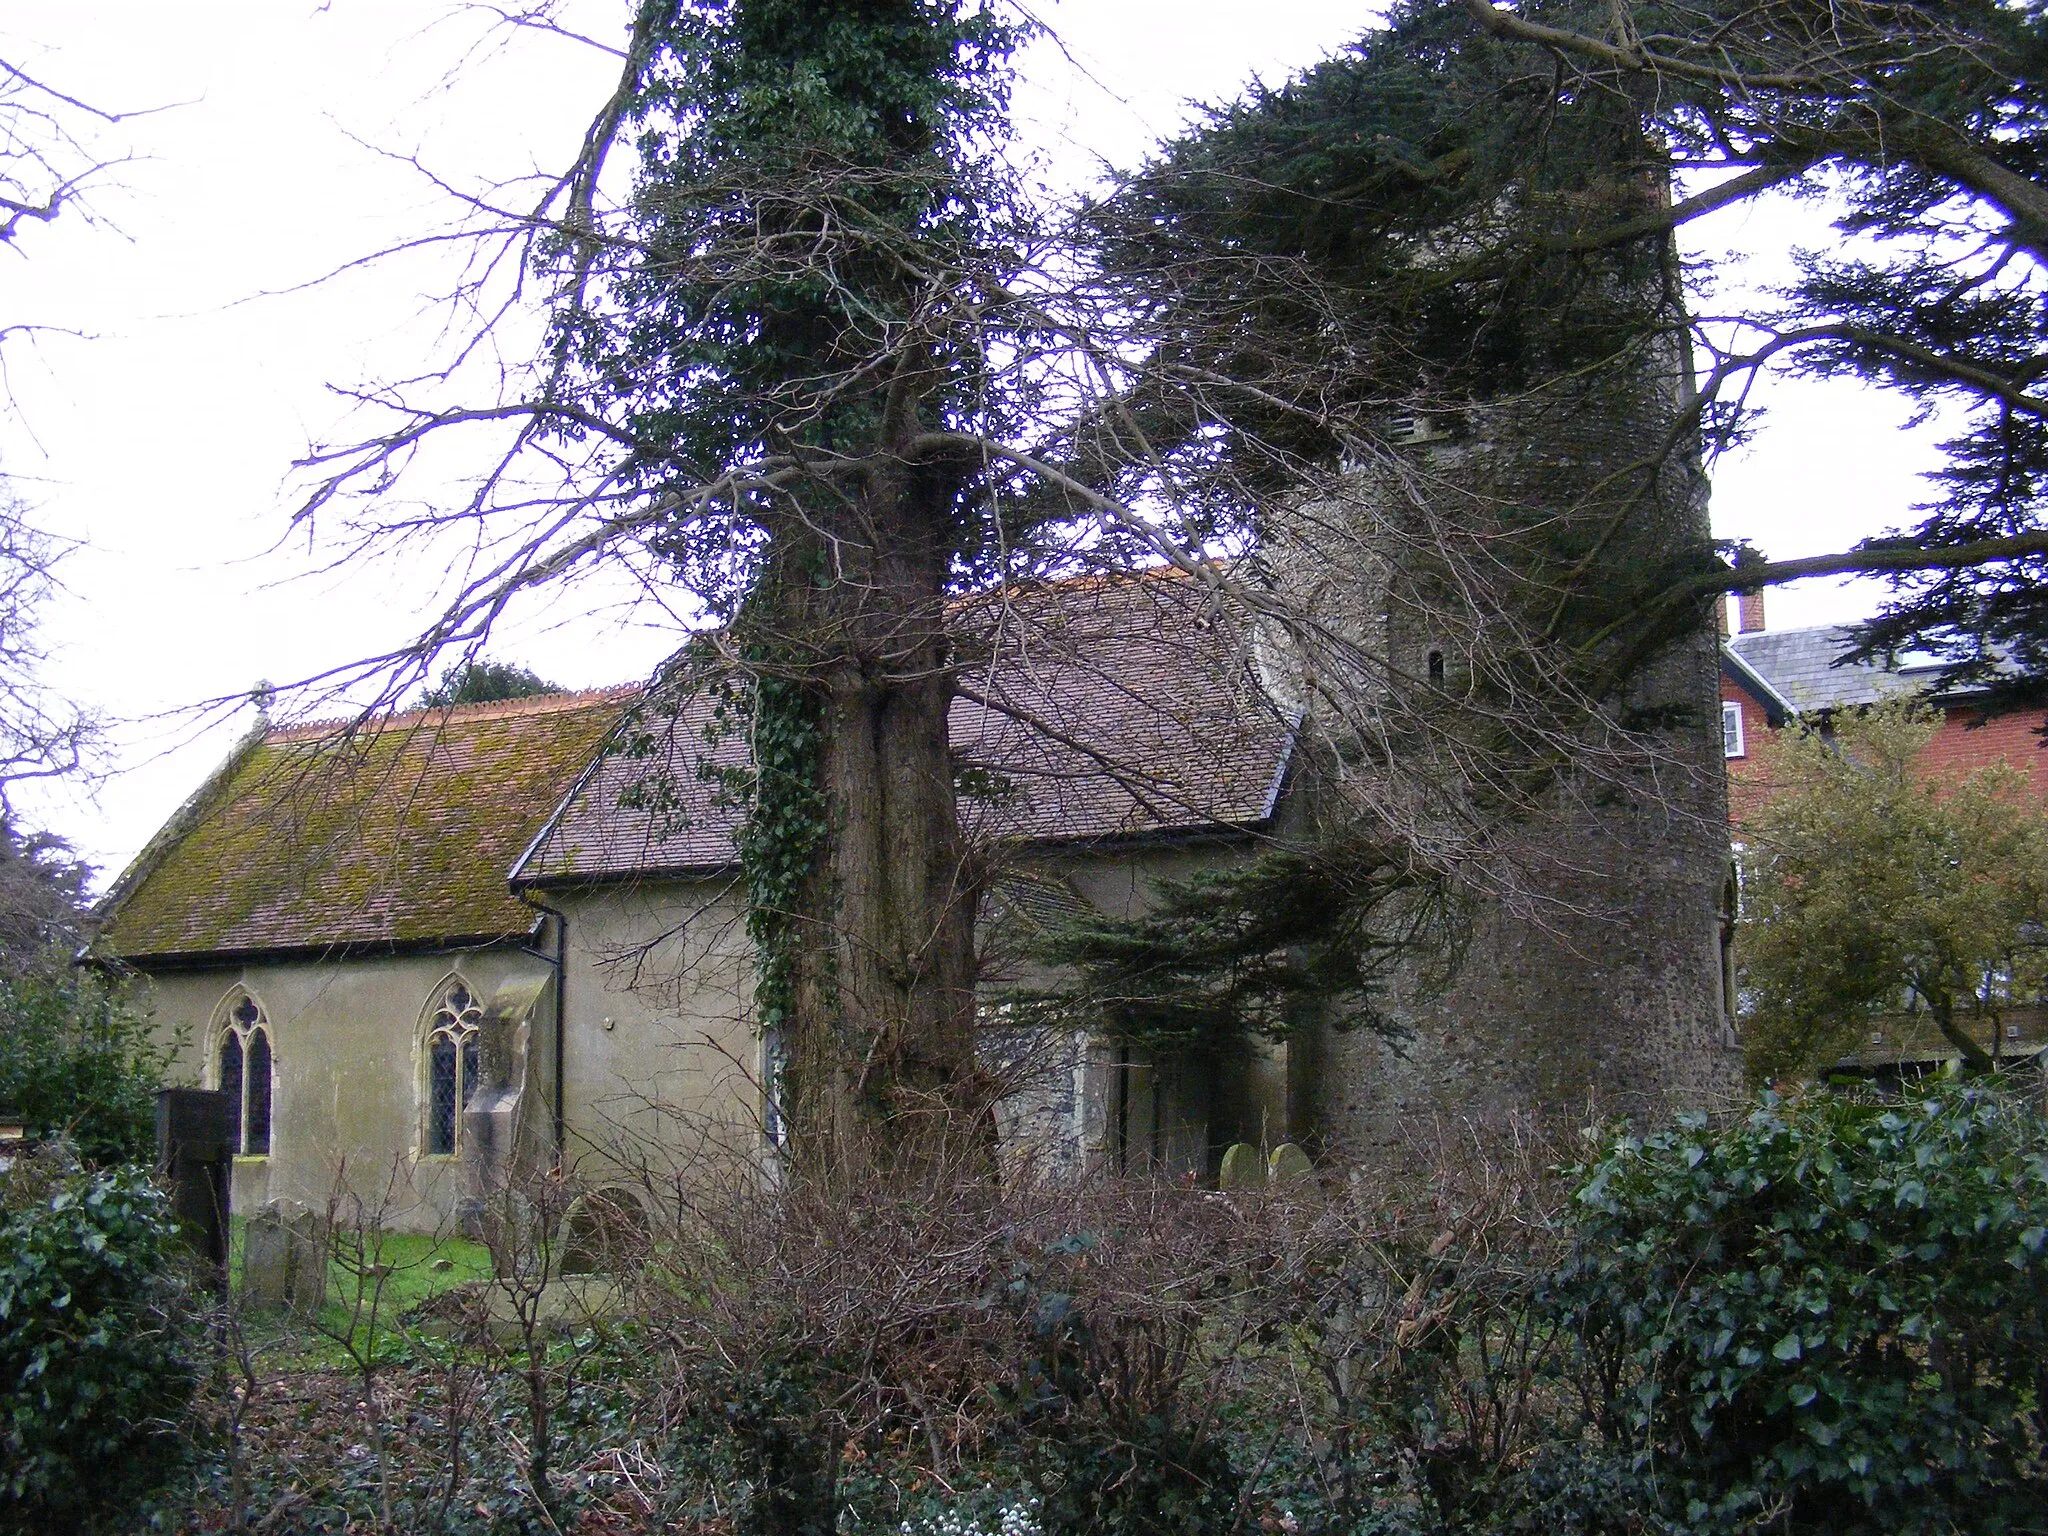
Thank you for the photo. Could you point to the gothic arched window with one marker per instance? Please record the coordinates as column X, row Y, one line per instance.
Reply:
column 243, row 1072
column 451, row 1065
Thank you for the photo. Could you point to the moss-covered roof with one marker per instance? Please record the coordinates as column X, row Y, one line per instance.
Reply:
column 400, row 831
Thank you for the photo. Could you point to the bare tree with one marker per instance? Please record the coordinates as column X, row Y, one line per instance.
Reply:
column 48, row 157
column 52, row 157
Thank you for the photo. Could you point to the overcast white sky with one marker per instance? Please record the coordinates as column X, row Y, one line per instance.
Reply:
column 163, row 439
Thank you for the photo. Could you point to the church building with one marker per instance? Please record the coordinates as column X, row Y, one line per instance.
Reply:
column 404, row 946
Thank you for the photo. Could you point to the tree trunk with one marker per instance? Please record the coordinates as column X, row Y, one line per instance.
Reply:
column 1943, row 1012
column 879, row 1024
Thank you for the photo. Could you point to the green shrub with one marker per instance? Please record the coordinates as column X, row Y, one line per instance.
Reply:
column 1832, row 1314
column 78, row 1060
column 93, row 1347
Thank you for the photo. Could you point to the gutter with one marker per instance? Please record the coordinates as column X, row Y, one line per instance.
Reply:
column 1053, row 842
column 151, row 961
column 522, row 885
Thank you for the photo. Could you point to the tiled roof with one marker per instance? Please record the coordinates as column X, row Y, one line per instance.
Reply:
column 395, row 832
column 1115, row 707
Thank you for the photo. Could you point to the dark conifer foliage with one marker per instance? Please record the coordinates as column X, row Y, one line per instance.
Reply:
column 42, row 900
column 1425, row 307
column 1256, row 951
column 485, row 682
column 1927, row 126
column 786, row 328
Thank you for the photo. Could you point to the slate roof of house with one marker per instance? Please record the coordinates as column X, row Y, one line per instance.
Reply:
column 329, row 835
column 1121, row 707
column 1800, row 665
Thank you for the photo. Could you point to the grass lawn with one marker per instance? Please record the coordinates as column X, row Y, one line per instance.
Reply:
column 402, row 1269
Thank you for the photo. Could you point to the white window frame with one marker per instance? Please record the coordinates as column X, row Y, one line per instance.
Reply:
column 1731, row 714
column 774, row 1062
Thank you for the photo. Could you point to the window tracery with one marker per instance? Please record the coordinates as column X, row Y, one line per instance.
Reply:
column 244, row 1067
column 452, row 1060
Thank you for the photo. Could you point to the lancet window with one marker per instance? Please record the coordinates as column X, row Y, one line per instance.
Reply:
column 451, row 1065
column 243, row 1072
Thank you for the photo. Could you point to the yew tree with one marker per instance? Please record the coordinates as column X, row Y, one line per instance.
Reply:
column 1871, row 886
column 816, row 193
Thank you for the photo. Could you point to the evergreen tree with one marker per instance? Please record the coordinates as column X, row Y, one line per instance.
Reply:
column 1927, row 126
column 485, row 682
column 1457, row 398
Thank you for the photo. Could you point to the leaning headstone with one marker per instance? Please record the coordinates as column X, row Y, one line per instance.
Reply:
column 284, row 1261
column 1288, row 1163
column 266, row 1261
column 307, row 1291
column 1243, row 1168
column 607, row 1234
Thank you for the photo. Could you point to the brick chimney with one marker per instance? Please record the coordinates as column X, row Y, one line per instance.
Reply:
column 1721, row 615
column 1753, row 611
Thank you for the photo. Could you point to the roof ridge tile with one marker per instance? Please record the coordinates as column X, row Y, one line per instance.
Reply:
column 532, row 704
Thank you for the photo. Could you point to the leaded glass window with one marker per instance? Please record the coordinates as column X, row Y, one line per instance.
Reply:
column 256, row 1141
column 231, row 1084
column 245, row 1075
column 452, row 1061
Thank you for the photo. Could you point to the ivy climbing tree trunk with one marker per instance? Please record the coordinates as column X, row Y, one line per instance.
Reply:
column 874, row 990
column 812, row 226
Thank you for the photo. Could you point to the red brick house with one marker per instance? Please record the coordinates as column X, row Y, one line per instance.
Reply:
column 1768, row 676
column 1771, row 677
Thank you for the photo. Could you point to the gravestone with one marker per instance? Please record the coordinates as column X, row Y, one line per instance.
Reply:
column 607, row 1234
column 1288, row 1163
column 284, row 1261
column 1243, row 1168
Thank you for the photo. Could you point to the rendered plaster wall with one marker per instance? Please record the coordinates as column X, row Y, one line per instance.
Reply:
column 349, row 1081
column 663, row 1066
